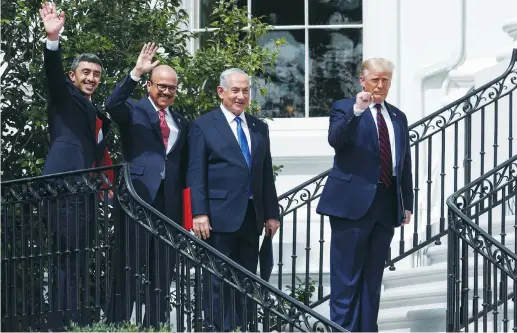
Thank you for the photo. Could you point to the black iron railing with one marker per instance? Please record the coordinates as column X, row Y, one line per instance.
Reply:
column 196, row 265
column 482, row 271
column 69, row 244
column 449, row 148
column 57, row 234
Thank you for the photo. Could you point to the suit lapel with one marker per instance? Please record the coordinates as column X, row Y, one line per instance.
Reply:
column 254, row 136
column 178, row 123
column 397, row 131
column 89, row 109
column 370, row 123
column 226, row 132
column 153, row 117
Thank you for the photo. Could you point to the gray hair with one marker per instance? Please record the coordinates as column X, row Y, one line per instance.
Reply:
column 377, row 64
column 224, row 76
column 86, row 57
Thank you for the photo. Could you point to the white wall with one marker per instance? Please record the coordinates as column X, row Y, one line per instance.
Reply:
column 419, row 36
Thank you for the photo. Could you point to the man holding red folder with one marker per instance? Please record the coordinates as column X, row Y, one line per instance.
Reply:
column 154, row 143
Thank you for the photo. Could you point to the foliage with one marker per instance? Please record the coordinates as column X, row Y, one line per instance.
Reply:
column 126, row 327
column 116, row 31
column 303, row 290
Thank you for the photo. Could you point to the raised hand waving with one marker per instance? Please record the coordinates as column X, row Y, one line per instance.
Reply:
column 144, row 63
column 52, row 21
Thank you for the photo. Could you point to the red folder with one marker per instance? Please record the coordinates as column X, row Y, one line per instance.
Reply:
column 187, row 209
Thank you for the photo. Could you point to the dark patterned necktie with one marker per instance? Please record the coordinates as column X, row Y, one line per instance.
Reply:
column 384, row 148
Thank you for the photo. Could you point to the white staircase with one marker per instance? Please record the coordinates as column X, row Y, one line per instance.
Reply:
column 413, row 298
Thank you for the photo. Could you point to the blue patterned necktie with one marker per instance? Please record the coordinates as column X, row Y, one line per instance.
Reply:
column 243, row 142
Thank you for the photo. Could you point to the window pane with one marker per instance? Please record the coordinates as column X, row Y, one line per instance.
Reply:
column 279, row 12
column 286, row 91
column 207, row 6
column 335, row 11
column 336, row 57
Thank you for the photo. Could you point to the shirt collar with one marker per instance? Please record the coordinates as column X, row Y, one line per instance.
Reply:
column 230, row 116
column 157, row 108
column 383, row 106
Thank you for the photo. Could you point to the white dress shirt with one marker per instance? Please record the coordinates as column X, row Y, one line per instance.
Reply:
column 230, row 117
column 389, row 124
column 174, row 129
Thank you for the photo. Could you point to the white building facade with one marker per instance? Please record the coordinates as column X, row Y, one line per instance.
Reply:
column 440, row 49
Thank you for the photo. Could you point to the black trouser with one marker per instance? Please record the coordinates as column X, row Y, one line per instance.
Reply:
column 73, row 221
column 242, row 246
column 148, row 270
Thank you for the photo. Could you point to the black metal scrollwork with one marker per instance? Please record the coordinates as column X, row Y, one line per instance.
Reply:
column 287, row 310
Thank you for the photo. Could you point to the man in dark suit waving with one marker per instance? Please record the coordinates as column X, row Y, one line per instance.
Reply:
column 154, row 143
column 232, row 185
column 368, row 194
column 78, row 135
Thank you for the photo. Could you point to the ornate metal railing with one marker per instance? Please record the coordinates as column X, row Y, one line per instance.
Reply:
column 449, row 147
column 196, row 267
column 57, row 234
column 69, row 243
column 482, row 271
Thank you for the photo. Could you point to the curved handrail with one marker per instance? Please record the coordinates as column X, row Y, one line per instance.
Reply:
column 431, row 124
column 478, row 238
column 203, row 254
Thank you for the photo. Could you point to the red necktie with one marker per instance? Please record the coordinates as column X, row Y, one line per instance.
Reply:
column 164, row 127
column 384, row 148
column 106, row 158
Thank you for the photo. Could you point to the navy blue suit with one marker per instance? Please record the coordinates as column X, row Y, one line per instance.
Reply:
column 220, row 182
column 73, row 146
column 143, row 148
column 363, row 211
column 71, row 122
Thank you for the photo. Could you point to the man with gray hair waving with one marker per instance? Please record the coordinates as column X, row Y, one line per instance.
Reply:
column 230, row 174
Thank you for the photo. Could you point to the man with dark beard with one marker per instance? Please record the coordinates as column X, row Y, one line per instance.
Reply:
column 78, row 133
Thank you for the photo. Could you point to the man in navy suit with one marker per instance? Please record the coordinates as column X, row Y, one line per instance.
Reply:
column 154, row 143
column 78, row 135
column 368, row 193
column 230, row 175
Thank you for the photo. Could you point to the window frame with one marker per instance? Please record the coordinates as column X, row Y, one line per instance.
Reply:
column 194, row 20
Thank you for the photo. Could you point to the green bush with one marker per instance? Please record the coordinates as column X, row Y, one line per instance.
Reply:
column 116, row 31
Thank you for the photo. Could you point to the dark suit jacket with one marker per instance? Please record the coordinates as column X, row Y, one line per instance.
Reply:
column 71, row 122
column 143, row 147
column 352, row 182
column 219, row 177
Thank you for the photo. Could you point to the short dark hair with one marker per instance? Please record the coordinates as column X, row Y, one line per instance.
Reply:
column 87, row 57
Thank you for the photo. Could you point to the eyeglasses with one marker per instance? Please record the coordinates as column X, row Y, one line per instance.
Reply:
column 163, row 87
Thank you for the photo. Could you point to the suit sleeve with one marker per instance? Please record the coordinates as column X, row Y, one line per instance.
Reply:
column 343, row 124
column 118, row 103
column 54, row 74
column 407, row 175
column 197, row 170
column 268, row 184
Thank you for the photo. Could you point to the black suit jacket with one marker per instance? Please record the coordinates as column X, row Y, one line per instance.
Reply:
column 71, row 122
column 143, row 147
column 219, row 177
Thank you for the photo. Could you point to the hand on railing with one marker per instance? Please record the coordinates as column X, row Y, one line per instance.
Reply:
column 202, row 226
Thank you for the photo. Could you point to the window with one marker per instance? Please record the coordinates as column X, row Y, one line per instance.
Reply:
column 321, row 60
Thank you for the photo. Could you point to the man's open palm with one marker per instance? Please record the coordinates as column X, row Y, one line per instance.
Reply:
column 52, row 21
column 145, row 62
